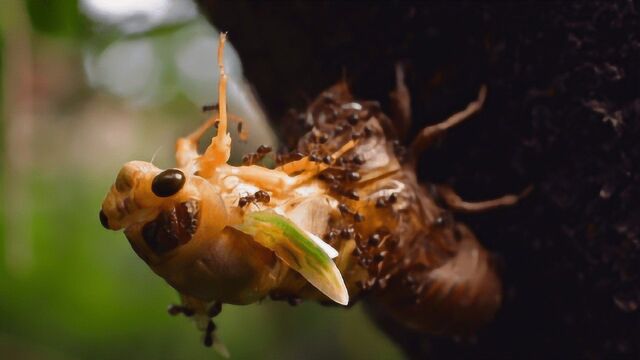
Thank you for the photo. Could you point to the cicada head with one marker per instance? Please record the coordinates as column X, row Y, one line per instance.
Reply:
column 161, row 210
column 178, row 223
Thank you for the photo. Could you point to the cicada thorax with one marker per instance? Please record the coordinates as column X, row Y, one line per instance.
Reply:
column 396, row 243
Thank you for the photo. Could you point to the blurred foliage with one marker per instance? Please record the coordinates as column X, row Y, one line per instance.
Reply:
column 2, row 93
column 87, row 295
column 57, row 17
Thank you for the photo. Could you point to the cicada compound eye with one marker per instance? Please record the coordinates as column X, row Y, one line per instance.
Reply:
column 168, row 182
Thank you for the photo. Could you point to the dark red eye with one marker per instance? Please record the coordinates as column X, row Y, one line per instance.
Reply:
column 168, row 183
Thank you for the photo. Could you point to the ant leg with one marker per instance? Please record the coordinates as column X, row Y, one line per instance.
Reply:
column 174, row 310
column 401, row 103
column 458, row 204
column 428, row 134
column 219, row 150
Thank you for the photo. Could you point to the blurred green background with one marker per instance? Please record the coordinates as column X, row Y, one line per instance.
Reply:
column 87, row 86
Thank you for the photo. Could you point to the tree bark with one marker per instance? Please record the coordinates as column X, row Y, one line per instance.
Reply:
column 562, row 113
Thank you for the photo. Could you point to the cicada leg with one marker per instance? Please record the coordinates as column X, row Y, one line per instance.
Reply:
column 279, row 180
column 456, row 203
column 218, row 152
column 187, row 147
column 428, row 134
column 308, row 169
column 401, row 103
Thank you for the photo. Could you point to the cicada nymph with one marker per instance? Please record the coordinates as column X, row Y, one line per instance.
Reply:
column 341, row 217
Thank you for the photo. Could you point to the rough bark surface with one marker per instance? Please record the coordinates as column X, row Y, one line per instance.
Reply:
column 562, row 114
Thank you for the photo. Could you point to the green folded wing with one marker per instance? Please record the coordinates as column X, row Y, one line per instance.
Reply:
column 298, row 250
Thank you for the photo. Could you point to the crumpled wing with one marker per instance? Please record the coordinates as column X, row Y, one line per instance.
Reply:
column 302, row 251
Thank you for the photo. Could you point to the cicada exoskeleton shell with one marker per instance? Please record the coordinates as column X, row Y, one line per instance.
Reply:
column 407, row 253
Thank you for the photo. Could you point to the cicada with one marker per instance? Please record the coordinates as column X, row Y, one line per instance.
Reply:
column 341, row 217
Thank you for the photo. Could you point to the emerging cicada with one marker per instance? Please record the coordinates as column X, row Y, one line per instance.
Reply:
column 341, row 216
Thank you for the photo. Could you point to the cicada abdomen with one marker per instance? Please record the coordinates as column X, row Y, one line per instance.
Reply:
column 398, row 244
